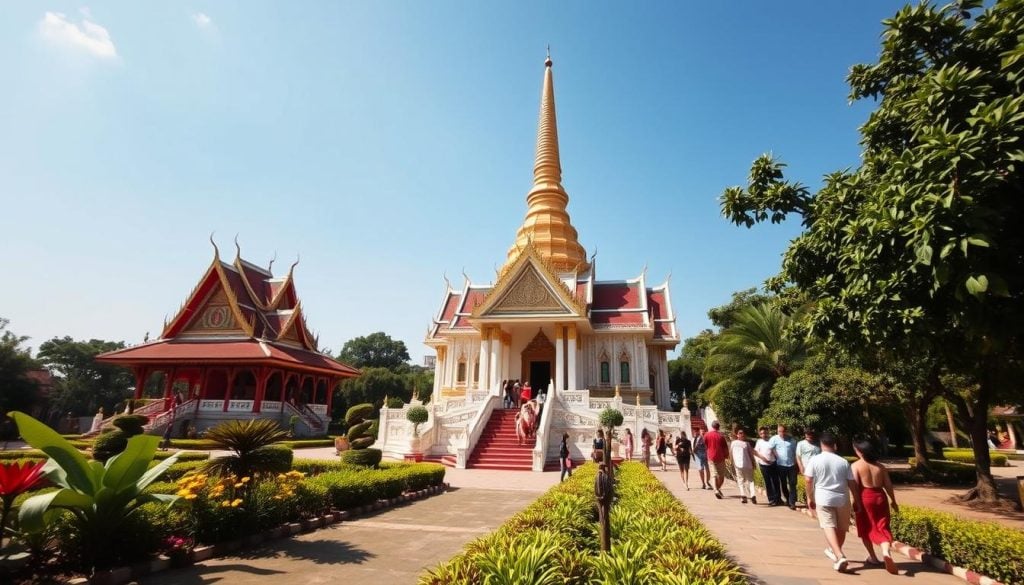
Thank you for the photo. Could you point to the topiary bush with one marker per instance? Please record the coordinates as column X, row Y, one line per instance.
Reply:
column 112, row 442
column 358, row 426
column 417, row 415
column 363, row 457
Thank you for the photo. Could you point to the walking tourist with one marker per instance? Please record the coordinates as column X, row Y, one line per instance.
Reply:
column 97, row 421
column 627, row 444
column 769, row 472
column 718, row 452
column 743, row 456
column 684, row 452
column 597, row 454
column 660, row 447
column 526, row 394
column 784, row 447
column 830, row 482
column 805, row 450
column 505, row 394
column 564, row 460
column 645, row 447
column 876, row 496
column 700, row 454
column 541, row 398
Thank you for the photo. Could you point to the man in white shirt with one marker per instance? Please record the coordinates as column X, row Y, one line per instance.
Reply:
column 764, row 448
column 830, row 483
column 743, row 460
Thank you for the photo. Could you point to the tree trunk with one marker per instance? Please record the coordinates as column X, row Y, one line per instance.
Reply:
column 917, row 424
column 977, row 420
column 952, row 426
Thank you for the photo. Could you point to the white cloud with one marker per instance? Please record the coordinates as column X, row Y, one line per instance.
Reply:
column 89, row 36
column 85, row 11
column 202, row 20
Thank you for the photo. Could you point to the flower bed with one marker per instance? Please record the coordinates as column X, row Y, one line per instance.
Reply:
column 554, row 540
column 984, row 547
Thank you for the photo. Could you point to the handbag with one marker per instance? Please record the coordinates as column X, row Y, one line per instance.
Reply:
column 568, row 463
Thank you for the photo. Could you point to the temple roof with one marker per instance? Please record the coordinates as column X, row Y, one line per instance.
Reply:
column 237, row 311
column 240, row 351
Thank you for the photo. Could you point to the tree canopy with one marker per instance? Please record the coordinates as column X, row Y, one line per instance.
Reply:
column 920, row 248
column 17, row 390
column 376, row 350
column 84, row 385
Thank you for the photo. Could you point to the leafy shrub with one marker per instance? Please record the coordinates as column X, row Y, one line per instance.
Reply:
column 998, row 459
column 102, row 500
column 656, row 540
column 363, row 457
column 348, row 488
column 943, row 472
column 358, row 434
column 417, row 415
column 181, row 469
column 112, row 442
column 307, row 443
column 984, row 547
column 181, row 456
column 313, row 467
column 250, row 442
column 130, row 424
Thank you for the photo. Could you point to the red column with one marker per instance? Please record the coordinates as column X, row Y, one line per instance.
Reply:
column 262, row 375
column 230, row 389
column 331, row 383
column 140, row 381
column 168, row 384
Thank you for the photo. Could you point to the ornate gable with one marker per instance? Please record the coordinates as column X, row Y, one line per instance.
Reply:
column 214, row 317
column 529, row 287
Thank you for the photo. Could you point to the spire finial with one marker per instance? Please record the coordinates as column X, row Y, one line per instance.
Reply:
column 216, row 250
column 547, row 62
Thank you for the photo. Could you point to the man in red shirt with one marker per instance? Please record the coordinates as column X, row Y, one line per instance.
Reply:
column 718, row 452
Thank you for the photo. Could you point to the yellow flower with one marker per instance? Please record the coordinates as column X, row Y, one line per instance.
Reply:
column 236, row 503
column 246, row 479
column 225, row 504
column 239, row 485
column 190, row 497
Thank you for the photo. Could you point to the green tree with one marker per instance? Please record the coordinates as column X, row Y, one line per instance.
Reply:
column 920, row 248
column 827, row 394
column 724, row 316
column 747, row 358
column 376, row 350
column 84, row 385
column 17, row 390
column 685, row 372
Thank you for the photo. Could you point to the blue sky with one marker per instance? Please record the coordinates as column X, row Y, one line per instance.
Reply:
column 389, row 143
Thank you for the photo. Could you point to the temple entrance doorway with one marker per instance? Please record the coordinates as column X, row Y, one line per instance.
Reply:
column 538, row 362
column 540, row 377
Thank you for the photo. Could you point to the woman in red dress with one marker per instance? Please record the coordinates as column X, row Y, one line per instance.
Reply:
column 876, row 497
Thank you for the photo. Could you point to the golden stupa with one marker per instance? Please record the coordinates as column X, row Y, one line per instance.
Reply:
column 547, row 226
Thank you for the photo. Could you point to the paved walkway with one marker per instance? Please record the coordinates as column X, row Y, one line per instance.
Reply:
column 782, row 547
column 394, row 546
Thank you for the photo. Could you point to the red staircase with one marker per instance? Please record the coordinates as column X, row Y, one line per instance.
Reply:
column 446, row 460
column 696, row 422
column 498, row 447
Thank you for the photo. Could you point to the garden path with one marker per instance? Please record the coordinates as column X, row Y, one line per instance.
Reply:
column 393, row 546
column 782, row 547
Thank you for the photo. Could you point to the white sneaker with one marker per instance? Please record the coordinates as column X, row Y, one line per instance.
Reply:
column 831, row 555
column 840, row 565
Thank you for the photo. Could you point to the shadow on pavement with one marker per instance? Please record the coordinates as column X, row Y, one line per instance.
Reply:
column 321, row 552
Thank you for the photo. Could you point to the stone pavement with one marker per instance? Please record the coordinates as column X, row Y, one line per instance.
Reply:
column 393, row 546
column 781, row 547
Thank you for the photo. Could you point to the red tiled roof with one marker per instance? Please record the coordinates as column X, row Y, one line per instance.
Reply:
column 171, row 351
column 581, row 291
column 617, row 318
column 663, row 329
column 616, row 295
column 461, row 322
column 450, row 304
column 474, row 297
column 656, row 304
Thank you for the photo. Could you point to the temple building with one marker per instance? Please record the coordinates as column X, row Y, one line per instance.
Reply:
column 239, row 348
column 548, row 318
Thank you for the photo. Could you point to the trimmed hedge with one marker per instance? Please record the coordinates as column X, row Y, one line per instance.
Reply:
column 943, row 472
column 352, row 487
column 998, row 459
column 363, row 457
column 554, row 540
column 984, row 547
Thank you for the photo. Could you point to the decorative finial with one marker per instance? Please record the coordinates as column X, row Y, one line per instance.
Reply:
column 547, row 62
column 294, row 264
column 216, row 250
column 638, row 399
column 238, row 249
column 271, row 264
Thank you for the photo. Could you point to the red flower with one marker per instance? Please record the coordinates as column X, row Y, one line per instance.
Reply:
column 17, row 478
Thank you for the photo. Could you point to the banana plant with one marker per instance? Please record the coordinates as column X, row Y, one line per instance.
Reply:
column 100, row 497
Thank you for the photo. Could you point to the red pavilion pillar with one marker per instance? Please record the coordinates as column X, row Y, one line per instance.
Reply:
column 230, row 390
column 261, row 388
column 140, row 381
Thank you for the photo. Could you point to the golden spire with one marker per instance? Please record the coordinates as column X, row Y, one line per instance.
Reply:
column 547, row 226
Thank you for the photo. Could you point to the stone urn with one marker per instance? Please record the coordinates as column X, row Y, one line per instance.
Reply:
column 341, row 444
